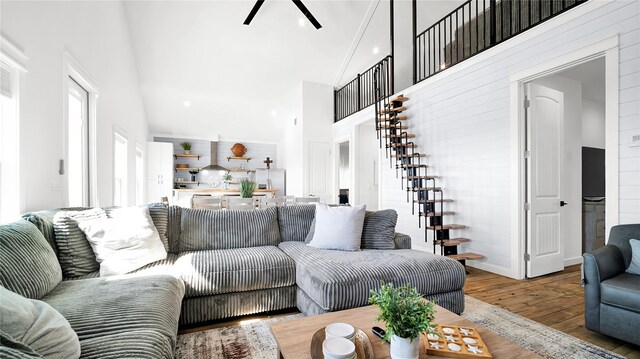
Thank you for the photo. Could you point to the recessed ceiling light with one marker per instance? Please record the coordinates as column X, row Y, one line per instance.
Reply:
column 274, row 113
column 302, row 22
column 376, row 50
column 187, row 103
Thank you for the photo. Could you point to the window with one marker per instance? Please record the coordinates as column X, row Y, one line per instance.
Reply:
column 9, row 144
column 120, row 164
column 139, row 175
column 77, row 145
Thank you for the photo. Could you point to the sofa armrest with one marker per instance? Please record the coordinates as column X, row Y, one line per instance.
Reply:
column 599, row 265
column 402, row 241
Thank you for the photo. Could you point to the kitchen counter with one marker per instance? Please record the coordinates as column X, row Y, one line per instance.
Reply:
column 222, row 191
column 182, row 196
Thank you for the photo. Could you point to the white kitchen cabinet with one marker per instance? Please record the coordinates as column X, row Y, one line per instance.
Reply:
column 159, row 171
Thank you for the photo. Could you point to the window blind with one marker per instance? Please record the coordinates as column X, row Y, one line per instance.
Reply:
column 5, row 79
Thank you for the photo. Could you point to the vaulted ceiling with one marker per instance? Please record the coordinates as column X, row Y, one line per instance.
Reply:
column 243, row 82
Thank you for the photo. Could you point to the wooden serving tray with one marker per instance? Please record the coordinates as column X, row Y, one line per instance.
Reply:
column 439, row 346
column 364, row 349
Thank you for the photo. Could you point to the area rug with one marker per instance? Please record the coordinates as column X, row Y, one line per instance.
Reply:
column 254, row 340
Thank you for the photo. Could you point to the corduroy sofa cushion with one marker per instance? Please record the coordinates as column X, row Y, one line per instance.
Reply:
column 295, row 221
column 122, row 314
column 28, row 265
column 338, row 280
column 221, row 271
column 203, row 229
column 74, row 251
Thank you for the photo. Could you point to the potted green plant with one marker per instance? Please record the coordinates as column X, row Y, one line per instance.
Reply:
column 247, row 187
column 407, row 316
column 225, row 180
column 186, row 146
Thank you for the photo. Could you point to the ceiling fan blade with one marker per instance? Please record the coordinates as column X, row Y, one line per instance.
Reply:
column 307, row 13
column 253, row 12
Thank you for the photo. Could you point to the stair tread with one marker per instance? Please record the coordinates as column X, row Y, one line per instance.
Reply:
column 421, row 177
column 393, row 127
column 438, row 214
column 462, row 256
column 448, row 226
column 414, row 165
column 392, row 110
column 411, row 155
column 447, row 242
column 425, row 188
column 399, row 98
column 411, row 144
column 460, row 239
column 394, row 118
column 432, row 200
column 408, row 135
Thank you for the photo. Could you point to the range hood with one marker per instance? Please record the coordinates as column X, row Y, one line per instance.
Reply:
column 213, row 166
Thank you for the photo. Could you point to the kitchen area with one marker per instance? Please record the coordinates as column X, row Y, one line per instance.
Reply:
column 179, row 169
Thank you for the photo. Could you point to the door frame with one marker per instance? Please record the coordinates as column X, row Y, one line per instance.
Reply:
column 336, row 165
column 608, row 49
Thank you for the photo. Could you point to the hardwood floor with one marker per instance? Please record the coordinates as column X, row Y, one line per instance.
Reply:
column 555, row 300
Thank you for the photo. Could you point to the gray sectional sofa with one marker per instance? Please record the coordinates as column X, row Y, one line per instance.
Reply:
column 222, row 264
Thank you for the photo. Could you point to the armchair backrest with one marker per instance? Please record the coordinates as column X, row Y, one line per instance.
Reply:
column 619, row 237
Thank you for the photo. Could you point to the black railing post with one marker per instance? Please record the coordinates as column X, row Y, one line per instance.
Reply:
column 358, row 94
column 392, row 31
column 413, row 40
column 492, row 36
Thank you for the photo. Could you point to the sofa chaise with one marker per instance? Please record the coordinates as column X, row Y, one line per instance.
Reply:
column 222, row 264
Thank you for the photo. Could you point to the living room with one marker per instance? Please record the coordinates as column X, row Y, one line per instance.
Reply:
column 419, row 111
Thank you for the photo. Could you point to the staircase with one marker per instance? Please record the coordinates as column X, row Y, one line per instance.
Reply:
column 412, row 168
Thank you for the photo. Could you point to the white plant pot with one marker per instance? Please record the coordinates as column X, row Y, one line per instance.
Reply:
column 402, row 348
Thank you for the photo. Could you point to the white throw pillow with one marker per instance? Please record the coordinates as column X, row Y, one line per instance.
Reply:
column 37, row 325
column 338, row 227
column 125, row 241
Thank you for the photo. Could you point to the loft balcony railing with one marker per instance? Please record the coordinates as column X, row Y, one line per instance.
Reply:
column 475, row 26
column 360, row 92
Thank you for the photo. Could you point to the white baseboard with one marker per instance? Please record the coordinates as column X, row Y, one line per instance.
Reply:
column 506, row 272
column 572, row 261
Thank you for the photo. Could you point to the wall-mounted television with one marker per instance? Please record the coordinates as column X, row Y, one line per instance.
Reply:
column 592, row 172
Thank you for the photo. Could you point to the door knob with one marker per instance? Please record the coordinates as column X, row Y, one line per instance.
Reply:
column 563, row 203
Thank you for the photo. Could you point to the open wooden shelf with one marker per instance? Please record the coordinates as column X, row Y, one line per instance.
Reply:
column 187, row 169
column 238, row 158
column 239, row 170
column 187, row 182
column 176, row 155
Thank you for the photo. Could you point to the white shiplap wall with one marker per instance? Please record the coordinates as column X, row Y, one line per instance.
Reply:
column 462, row 119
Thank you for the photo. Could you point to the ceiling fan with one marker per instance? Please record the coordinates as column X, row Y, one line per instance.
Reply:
column 298, row 3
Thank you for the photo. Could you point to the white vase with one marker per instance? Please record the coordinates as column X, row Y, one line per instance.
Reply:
column 402, row 348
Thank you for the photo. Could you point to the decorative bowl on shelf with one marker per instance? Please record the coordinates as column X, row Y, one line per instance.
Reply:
column 239, row 149
column 182, row 165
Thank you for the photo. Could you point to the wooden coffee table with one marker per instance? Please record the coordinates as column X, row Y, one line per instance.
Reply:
column 294, row 336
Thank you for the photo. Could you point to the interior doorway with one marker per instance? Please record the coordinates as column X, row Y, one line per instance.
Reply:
column 344, row 172
column 565, row 151
column 366, row 166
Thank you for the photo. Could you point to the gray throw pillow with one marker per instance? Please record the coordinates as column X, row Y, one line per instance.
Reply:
column 74, row 251
column 28, row 265
column 378, row 231
column 634, row 266
column 37, row 325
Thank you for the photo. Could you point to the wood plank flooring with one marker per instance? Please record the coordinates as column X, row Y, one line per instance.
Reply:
column 555, row 300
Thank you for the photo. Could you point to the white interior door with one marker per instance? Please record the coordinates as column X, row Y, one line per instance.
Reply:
column 545, row 131
column 320, row 171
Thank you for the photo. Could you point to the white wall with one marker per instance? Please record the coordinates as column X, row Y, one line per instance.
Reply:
column 593, row 123
column 96, row 34
column 462, row 119
column 571, row 175
column 344, row 171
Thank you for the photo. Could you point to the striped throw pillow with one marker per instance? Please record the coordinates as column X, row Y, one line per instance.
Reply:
column 74, row 251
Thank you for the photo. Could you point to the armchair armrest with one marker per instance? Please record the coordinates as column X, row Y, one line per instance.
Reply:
column 597, row 266
column 402, row 241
